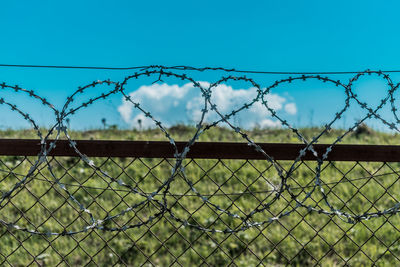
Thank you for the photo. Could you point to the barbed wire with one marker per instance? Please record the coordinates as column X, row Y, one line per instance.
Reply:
column 178, row 169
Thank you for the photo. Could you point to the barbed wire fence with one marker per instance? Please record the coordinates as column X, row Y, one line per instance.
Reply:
column 159, row 197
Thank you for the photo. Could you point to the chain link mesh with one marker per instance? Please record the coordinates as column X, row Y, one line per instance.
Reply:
column 236, row 186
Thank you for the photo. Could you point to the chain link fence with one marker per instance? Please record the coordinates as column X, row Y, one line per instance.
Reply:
column 147, row 236
column 69, row 207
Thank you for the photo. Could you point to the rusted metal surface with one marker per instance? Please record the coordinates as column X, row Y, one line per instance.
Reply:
column 210, row 150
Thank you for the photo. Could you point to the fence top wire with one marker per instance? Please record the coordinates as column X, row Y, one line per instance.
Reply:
column 186, row 68
column 181, row 153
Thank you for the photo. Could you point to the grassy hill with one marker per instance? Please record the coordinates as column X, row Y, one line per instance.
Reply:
column 362, row 135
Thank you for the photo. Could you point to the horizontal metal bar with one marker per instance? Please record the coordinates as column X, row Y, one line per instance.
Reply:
column 209, row 150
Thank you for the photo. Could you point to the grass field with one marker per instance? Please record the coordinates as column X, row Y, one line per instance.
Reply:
column 240, row 186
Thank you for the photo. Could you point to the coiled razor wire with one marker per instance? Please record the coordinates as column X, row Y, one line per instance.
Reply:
column 246, row 221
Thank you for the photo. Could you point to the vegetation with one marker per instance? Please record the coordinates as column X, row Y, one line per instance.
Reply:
column 240, row 186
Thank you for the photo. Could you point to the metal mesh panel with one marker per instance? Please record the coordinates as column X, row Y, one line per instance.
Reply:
column 305, row 237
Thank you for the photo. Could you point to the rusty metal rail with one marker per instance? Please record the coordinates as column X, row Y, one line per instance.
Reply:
column 201, row 150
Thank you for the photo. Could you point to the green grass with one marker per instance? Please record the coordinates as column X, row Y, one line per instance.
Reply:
column 299, row 239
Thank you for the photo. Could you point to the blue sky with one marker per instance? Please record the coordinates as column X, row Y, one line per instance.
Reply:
column 257, row 35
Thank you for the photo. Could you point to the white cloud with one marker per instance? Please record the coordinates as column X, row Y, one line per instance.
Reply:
column 269, row 124
column 291, row 108
column 172, row 104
